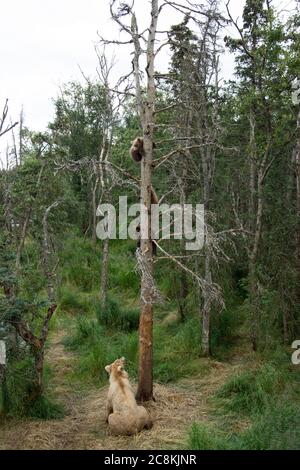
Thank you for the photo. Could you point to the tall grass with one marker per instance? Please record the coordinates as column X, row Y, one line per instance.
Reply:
column 115, row 317
column 269, row 396
column 278, row 428
column 250, row 392
column 96, row 347
column 16, row 390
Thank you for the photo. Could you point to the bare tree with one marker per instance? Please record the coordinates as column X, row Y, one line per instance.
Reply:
column 3, row 118
column 146, row 45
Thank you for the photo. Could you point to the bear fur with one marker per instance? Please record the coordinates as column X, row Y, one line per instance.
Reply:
column 124, row 415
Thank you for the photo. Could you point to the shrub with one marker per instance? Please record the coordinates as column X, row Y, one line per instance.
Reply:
column 16, row 391
column 16, row 388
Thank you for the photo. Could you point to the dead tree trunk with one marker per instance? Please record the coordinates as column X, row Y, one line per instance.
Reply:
column 22, row 240
column 104, row 273
column 297, row 169
column 259, row 170
column 2, row 361
column 48, row 269
column 94, row 209
column 145, row 385
column 206, row 311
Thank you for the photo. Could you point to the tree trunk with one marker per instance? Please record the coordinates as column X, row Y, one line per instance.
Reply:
column 145, row 384
column 253, row 283
column 297, row 165
column 2, row 361
column 94, row 210
column 22, row 240
column 39, row 368
column 206, row 312
column 48, row 270
column 2, row 373
column 183, row 282
column 104, row 274
column 207, row 303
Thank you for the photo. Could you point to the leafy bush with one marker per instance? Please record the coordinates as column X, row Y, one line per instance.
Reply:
column 16, row 391
column 16, row 388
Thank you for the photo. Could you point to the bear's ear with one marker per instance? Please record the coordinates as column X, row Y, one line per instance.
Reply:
column 123, row 359
column 108, row 369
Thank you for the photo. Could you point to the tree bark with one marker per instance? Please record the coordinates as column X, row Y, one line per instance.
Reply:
column 145, row 383
column 256, row 205
column 22, row 240
column 94, row 209
column 206, row 311
column 48, row 270
column 104, row 274
column 297, row 169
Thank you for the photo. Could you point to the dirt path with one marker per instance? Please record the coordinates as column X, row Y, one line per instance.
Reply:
column 84, row 426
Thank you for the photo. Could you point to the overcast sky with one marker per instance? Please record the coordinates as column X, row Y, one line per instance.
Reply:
column 43, row 41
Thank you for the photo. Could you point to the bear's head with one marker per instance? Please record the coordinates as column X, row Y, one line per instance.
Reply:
column 116, row 369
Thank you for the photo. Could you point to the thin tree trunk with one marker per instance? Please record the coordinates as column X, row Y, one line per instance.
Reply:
column 2, row 361
column 22, row 240
column 39, row 369
column 145, row 383
column 183, row 282
column 206, row 312
column 297, row 165
column 21, row 136
column 94, row 209
column 104, row 274
column 253, row 283
column 48, row 270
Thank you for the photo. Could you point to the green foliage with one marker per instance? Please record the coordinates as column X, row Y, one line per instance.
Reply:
column 203, row 437
column 224, row 326
column 72, row 301
column 177, row 351
column 80, row 271
column 277, row 428
column 251, row 391
column 116, row 318
column 17, row 385
column 96, row 347
column 16, row 391
column 45, row 409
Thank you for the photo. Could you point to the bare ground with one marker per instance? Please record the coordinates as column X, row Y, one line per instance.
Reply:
column 84, row 426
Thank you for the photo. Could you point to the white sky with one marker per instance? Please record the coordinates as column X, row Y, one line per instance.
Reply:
column 43, row 41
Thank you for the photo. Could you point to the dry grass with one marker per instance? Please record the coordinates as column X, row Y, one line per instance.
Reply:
column 84, row 426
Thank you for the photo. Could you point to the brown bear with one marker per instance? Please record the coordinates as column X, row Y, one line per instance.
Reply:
column 124, row 416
